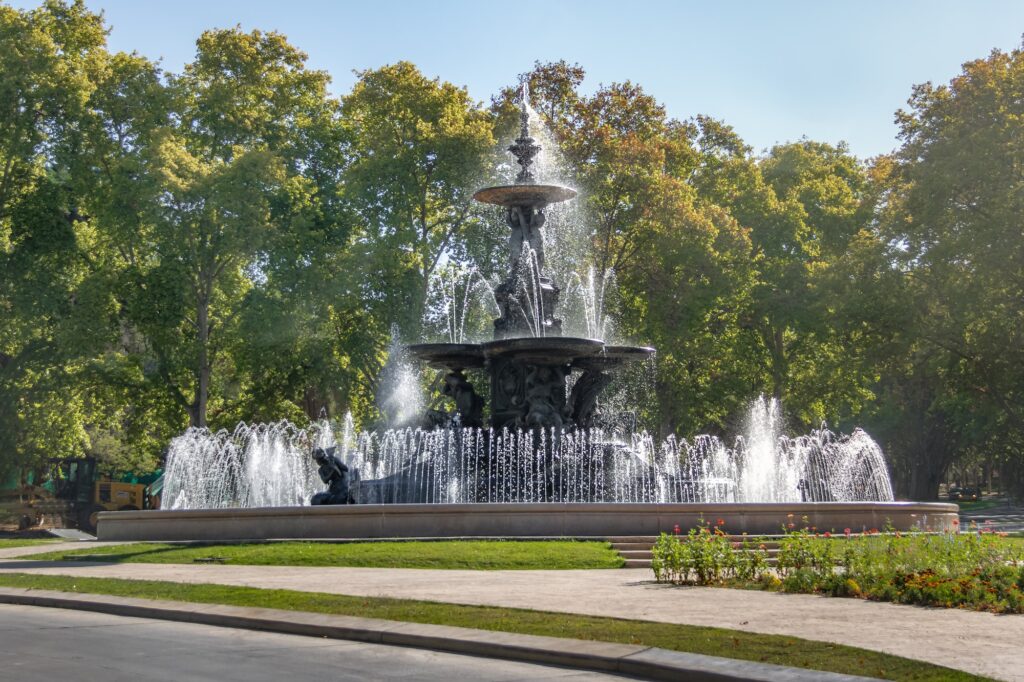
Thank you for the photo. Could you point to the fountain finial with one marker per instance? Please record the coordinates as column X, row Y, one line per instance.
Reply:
column 524, row 147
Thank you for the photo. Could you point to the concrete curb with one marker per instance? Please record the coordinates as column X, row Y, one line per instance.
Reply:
column 641, row 661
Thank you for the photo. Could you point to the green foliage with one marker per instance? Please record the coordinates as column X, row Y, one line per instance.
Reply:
column 953, row 207
column 977, row 569
column 415, row 149
column 232, row 242
column 707, row 556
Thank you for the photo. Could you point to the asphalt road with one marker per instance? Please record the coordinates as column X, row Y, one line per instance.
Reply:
column 56, row 644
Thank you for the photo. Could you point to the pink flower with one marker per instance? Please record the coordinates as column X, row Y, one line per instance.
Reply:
column 846, row 532
column 827, row 534
column 676, row 529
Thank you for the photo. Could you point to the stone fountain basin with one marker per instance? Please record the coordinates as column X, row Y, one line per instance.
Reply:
column 524, row 195
column 580, row 520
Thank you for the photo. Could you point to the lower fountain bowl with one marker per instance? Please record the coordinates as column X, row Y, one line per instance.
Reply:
column 522, row 520
column 451, row 356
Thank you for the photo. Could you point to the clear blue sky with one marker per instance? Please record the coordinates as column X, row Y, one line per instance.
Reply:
column 776, row 71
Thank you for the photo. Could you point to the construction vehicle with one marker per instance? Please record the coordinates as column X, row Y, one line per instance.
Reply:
column 78, row 495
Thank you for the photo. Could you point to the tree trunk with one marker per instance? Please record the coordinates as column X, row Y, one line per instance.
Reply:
column 314, row 403
column 925, row 477
column 197, row 416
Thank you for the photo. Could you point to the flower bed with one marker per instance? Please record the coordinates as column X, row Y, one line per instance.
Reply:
column 976, row 569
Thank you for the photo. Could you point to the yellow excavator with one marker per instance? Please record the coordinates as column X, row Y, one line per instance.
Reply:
column 78, row 494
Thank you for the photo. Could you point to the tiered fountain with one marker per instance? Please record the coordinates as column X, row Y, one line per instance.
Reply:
column 530, row 461
column 529, row 360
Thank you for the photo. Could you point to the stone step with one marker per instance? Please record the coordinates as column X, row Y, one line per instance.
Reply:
column 615, row 539
column 633, row 546
column 629, row 546
column 640, row 557
column 646, row 563
column 647, row 554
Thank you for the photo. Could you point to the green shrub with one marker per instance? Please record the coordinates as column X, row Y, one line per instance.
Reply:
column 706, row 556
column 977, row 569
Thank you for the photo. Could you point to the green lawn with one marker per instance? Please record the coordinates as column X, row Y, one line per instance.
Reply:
column 467, row 554
column 776, row 649
column 5, row 543
column 978, row 505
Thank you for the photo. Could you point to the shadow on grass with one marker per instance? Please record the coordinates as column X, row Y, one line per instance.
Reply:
column 27, row 564
column 74, row 556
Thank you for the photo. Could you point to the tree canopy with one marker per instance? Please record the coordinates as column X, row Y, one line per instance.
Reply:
column 235, row 242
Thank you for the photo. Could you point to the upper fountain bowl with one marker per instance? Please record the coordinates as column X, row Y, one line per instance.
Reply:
column 524, row 195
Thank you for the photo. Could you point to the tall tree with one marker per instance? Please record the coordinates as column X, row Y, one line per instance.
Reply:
column 416, row 151
column 952, row 210
column 50, row 58
column 213, row 197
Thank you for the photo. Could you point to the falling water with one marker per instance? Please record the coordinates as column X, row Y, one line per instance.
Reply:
column 459, row 296
column 400, row 396
column 585, row 305
column 270, row 465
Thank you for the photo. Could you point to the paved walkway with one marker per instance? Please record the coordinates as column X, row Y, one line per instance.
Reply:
column 981, row 643
column 1004, row 518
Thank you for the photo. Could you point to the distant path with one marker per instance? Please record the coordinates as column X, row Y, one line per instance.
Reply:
column 1004, row 518
column 980, row 643
column 57, row 644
